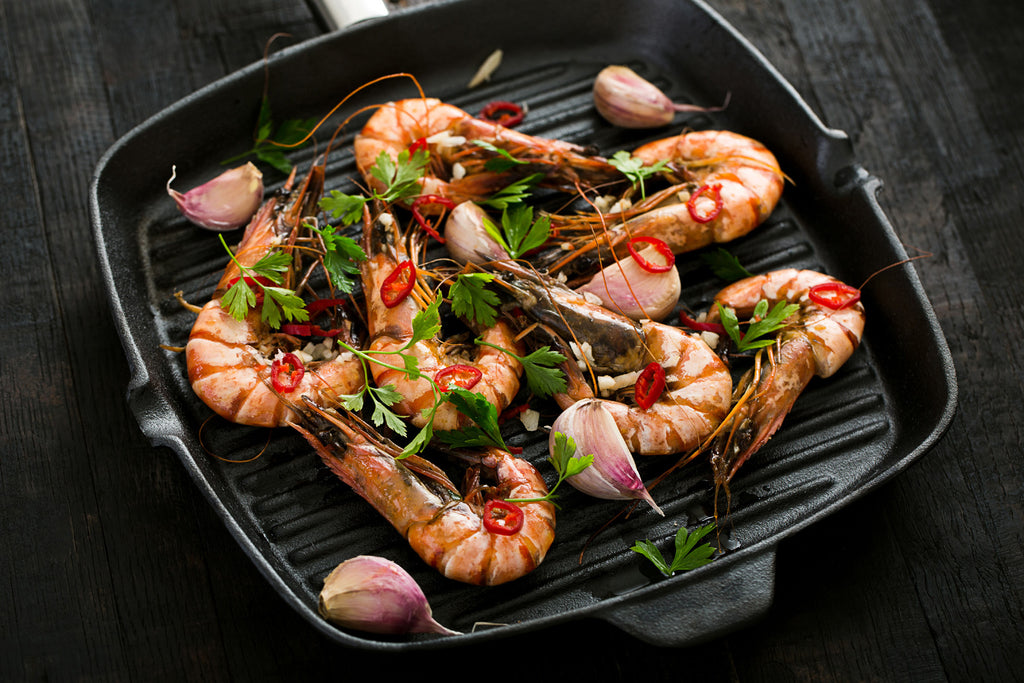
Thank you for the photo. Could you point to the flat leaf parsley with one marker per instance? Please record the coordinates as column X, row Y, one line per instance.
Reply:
column 688, row 555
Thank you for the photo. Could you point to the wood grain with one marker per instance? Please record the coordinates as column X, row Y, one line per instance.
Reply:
column 115, row 569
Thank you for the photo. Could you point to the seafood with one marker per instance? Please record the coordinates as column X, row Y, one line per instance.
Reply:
column 698, row 385
column 817, row 340
column 458, row 535
column 231, row 362
column 457, row 166
column 391, row 328
column 723, row 186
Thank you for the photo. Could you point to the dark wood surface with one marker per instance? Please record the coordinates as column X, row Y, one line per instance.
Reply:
column 115, row 569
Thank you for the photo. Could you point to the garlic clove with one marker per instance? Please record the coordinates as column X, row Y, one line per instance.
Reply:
column 613, row 474
column 467, row 239
column 628, row 289
column 626, row 99
column 375, row 595
column 224, row 203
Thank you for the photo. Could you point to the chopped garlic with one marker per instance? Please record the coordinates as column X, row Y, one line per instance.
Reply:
column 387, row 219
column 458, row 171
column 446, row 139
column 593, row 298
column 530, row 419
column 488, row 67
column 710, row 338
column 620, row 206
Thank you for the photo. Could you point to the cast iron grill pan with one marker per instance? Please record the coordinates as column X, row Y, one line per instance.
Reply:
column 296, row 521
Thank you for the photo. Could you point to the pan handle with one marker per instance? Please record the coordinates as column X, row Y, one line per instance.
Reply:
column 701, row 610
column 338, row 14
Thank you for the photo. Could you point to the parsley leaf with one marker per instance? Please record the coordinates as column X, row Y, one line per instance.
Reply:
column 269, row 143
column 513, row 193
column 477, row 408
column 501, row 163
column 340, row 258
column 278, row 302
column 764, row 323
column 471, row 299
column 634, row 169
column 725, row 265
column 566, row 463
column 543, row 375
column 400, row 177
column 347, row 208
column 519, row 233
column 687, row 554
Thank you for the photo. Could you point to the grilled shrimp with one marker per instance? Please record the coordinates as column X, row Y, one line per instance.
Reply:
column 489, row 371
column 457, row 171
column 817, row 340
column 231, row 363
column 478, row 538
column 697, row 387
column 723, row 186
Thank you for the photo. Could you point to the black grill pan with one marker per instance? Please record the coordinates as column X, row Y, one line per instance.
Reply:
column 845, row 436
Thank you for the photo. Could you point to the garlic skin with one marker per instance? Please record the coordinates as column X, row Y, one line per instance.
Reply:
column 372, row 594
column 466, row 238
column 613, row 474
column 626, row 99
column 224, row 203
column 626, row 288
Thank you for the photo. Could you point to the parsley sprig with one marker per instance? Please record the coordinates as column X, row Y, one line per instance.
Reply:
column 543, row 375
column 278, row 302
column 485, row 432
column 566, row 463
column 725, row 265
column 633, row 168
column 519, row 233
column 763, row 323
column 341, row 258
column 688, row 555
column 270, row 142
column 472, row 300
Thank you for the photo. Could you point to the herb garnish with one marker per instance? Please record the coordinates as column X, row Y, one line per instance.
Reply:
column 519, row 232
column 471, row 299
column 688, row 555
column 270, row 142
column 340, row 258
column 278, row 302
column 725, row 265
column 763, row 323
column 634, row 169
column 481, row 411
column 541, row 369
column 566, row 463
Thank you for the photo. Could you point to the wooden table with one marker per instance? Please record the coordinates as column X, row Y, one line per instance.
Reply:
column 114, row 569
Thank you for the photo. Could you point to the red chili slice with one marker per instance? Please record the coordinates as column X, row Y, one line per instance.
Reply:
column 265, row 281
column 287, row 372
column 424, row 223
column 503, row 113
column 315, row 308
column 834, row 295
column 713, row 191
column 649, row 385
column 462, row 376
column 398, row 284
column 503, row 518
column 699, row 326
column 305, row 330
column 418, row 145
column 660, row 247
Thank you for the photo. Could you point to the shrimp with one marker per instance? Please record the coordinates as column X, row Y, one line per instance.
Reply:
column 457, row 535
column 817, row 340
column 493, row 373
column 231, row 362
column 698, row 384
column 723, row 186
column 457, row 165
